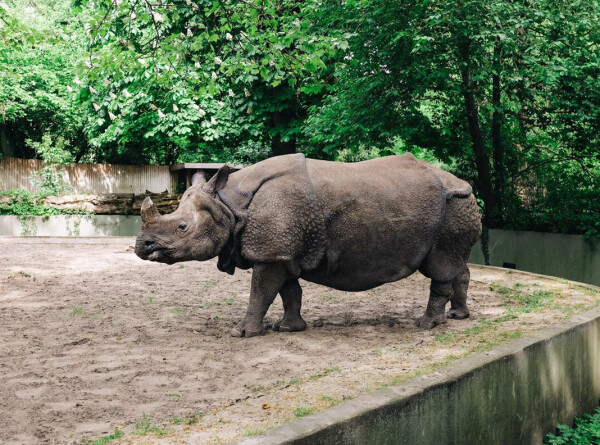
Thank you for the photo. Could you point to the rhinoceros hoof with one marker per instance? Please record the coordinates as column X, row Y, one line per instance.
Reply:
column 429, row 323
column 458, row 314
column 290, row 325
column 242, row 331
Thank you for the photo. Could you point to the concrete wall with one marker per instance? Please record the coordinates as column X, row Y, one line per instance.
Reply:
column 513, row 394
column 566, row 256
column 64, row 225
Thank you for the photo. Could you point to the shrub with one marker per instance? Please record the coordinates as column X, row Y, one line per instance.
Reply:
column 585, row 432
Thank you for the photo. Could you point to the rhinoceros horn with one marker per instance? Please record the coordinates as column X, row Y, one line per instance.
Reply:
column 149, row 211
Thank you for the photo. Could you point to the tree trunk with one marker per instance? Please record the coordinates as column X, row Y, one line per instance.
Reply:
column 279, row 147
column 281, row 120
column 486, row 188
column 7, row 150
column 498, row 155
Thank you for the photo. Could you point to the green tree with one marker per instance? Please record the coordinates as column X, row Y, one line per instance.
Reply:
column 204, row 80
column 509, row 89
column 39, row 45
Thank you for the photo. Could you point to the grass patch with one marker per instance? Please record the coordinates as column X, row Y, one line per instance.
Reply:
column 303, row 411
column 331, row 401
column 228, row 301
column 450, row 337
column 521, row 299
column 179, row 311
column 509, row 315
column 535, row 301
column 503, row 337
column 192, row 420
column 482, row 325
column 323, row 373
column 255, row 432
column 143, row 426
column 207, row 286
column 77, row 310
column 105, row 439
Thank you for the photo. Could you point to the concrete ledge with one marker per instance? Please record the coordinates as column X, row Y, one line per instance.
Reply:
column 513, row 394
column 124, row 241
column 71, row 225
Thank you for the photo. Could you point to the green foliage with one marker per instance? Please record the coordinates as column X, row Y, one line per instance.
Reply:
column 205, row 81
column 24, row 203
column 49, row 181
column 585, row 432
column 52, row 151
column 40, row 43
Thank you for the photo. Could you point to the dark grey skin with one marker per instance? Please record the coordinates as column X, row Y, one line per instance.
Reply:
column 351, row 227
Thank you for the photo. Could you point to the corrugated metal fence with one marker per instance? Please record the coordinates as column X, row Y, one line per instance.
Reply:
column 91, row 178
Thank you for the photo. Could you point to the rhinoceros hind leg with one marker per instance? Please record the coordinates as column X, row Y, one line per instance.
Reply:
column 439, row 294
column 291, row 294
column 458, row 302
column 267, row 280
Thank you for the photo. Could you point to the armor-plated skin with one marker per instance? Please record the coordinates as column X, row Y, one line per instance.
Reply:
column 348, row 226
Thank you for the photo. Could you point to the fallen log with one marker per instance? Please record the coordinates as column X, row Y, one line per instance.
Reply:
column 113, row 204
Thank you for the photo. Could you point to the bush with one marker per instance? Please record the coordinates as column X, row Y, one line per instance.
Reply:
column 586, row 431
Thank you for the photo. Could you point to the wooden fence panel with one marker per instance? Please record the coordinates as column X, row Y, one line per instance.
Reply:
column 91, row 178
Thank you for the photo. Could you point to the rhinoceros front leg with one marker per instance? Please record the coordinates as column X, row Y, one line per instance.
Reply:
column 439, row 293
column 291, row 294
column 267, row 280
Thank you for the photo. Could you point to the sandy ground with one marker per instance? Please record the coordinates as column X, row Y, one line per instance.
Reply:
column 93, row 339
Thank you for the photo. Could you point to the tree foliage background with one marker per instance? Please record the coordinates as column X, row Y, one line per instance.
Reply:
column 503, row 93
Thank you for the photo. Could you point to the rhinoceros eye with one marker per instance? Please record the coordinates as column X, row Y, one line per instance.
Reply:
column 182, row 226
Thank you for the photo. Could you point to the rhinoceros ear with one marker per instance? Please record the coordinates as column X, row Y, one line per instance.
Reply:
column 198, row 178
column 149, row 211
column 218, row 181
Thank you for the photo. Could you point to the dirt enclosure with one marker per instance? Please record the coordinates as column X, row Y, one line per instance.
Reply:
column 93, row 339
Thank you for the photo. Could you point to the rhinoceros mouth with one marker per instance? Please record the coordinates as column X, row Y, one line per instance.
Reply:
column 153, row 252
column 154, row 256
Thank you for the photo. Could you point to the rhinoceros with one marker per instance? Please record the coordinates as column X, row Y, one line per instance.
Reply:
column 351, row 227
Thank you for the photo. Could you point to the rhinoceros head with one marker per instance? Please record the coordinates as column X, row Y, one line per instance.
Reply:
column 197, row 230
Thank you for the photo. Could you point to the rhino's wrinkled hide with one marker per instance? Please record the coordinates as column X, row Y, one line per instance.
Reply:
column 287, row 223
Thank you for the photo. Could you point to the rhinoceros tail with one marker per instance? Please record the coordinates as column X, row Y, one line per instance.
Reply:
column 463, row 192
column 455, row 187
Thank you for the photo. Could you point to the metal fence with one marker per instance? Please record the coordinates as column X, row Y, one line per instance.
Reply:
column 91, row 178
